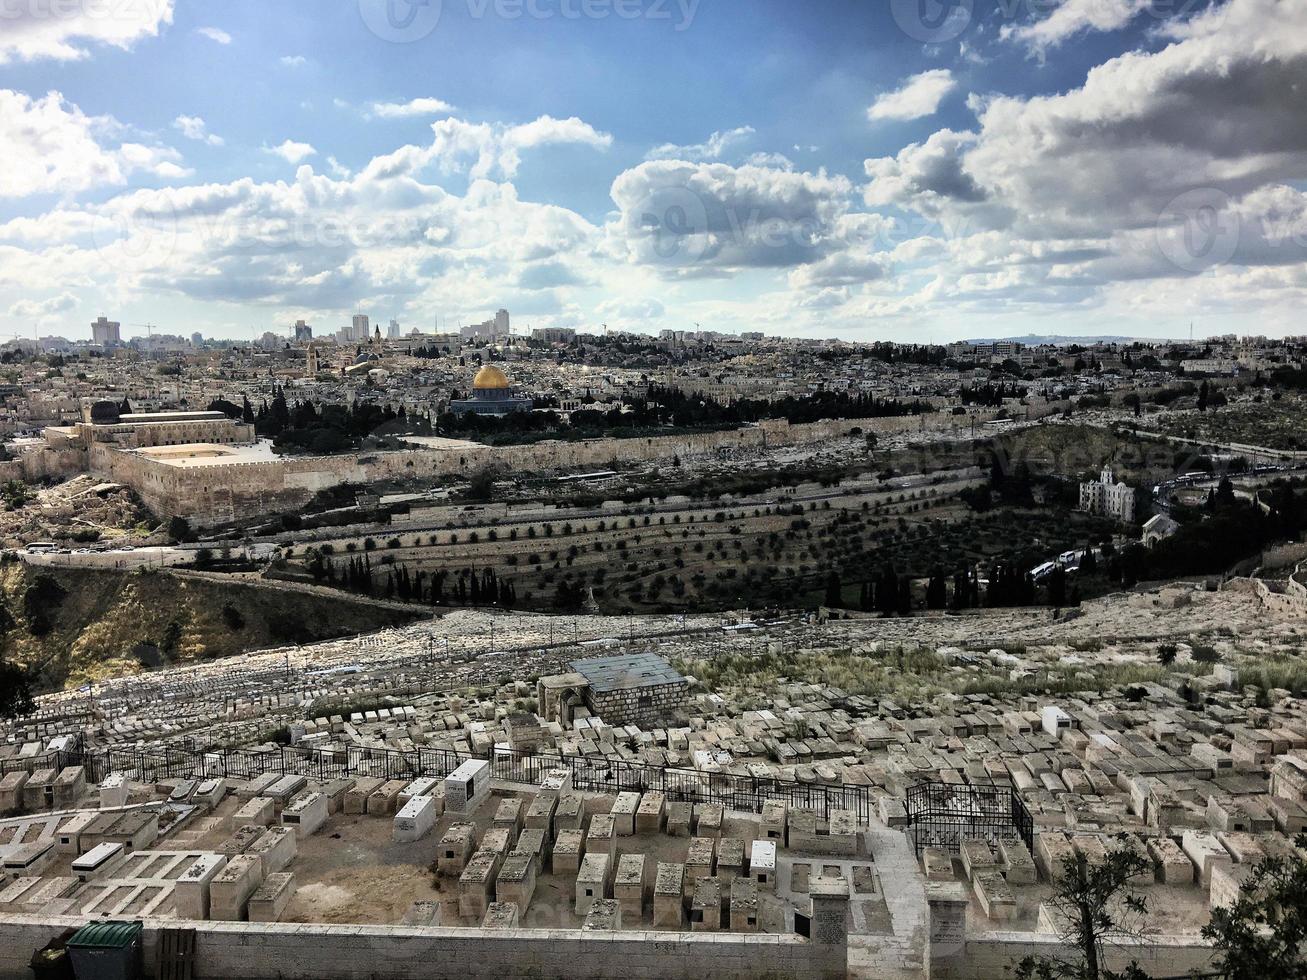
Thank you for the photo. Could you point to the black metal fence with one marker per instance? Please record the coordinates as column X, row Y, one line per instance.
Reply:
column 589, row 773
column 944, row 814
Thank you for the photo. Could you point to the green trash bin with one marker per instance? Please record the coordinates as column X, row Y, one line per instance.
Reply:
column 107, row 951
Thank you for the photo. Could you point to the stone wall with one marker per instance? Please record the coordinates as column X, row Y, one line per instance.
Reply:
column 996, row 954
column 644, row 706
column 223, row 492
column 250, row 951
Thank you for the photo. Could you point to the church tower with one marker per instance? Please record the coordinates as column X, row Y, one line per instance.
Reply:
column 311, row 362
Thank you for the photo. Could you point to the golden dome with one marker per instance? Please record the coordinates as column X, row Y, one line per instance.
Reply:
column 490, row 378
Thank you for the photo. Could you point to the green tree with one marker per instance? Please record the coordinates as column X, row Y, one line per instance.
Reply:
column 834, row 591
column 1092, row 905
column 179, row 529
column 1262, row 934
column 15, row 691
column 1166, row 654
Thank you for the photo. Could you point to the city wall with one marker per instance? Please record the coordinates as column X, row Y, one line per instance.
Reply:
column 254, row 951
column 224, row 492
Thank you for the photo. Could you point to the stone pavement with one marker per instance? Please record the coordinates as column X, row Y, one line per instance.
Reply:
column 901, row 956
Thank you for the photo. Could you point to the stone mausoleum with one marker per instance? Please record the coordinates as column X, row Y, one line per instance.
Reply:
column 632, row 689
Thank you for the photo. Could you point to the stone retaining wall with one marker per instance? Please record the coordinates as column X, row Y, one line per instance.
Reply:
column 224, row 492
column 255, row 951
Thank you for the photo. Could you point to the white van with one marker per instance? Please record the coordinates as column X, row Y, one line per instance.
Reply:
column 42, row 548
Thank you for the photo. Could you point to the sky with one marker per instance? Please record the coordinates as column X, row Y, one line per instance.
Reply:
column 906, row 170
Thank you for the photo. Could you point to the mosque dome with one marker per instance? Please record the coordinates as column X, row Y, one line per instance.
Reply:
column 490, row 378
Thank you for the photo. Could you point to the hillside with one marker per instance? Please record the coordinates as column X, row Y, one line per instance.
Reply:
column 79, row 625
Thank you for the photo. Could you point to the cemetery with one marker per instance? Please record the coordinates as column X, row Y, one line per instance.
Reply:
column 432, row 799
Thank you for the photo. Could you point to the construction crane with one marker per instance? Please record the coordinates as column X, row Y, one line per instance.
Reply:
column 149, row 328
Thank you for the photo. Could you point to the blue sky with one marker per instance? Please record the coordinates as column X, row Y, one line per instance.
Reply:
column 907, row 169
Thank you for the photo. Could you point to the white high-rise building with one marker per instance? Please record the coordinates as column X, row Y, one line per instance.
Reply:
column 105, row 332
column 392, row 331
column 501, row 324
column 362, row 329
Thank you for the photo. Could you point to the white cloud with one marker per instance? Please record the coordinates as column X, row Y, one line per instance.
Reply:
column 51, row 146
column 34, row 30
column 416, row 107
column 492, row 149
column 919, row 96
column 710, row 149
column 215, row 34
column 294, row 61
column 292, row 152
column 1070, row 198
column 28, row 309
column 194, row 128
column 707, row 219
column 1073, row 17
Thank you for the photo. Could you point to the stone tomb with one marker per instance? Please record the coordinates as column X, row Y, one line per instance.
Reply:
column 730, row 859
column 191, row 891
column 384, row 800
column 699, row 861
column 711, row 816
column 415, row 819
column 706, row 905
column 650, row 813
column 454, row 849
column 669, row 898
column 508, row 816
column 744, row 905
column 605, row 915
column 602, row 836
column 533, row 842
column 275, row 848
column 306, row 813
column 517, row 880
column 501, row 915
column 231, row 888
column 467, row 786
column 568, row 851
column 628, row 884
column 592, row 881
column 256, row 810
column 762, row 864
column 623, row 813
column 540, row 814
column 679, row 819
column 99, row 862
column 269, row 901
column 356, row 799
column 476, row 884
